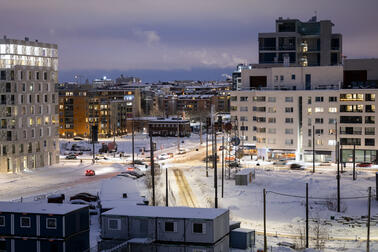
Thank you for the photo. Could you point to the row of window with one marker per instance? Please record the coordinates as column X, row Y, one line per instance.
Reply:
column 26, row 75
column 23, row 87
column 25, row 222
column 343, row 97
column 23, row 148
column 169, row 226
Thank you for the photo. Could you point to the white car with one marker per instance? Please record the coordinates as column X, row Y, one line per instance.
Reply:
column 163, row 156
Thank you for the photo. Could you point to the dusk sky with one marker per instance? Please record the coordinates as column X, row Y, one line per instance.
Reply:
column 176, row 39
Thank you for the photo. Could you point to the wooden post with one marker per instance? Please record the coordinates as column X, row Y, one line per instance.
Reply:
column 354, row 161
column 368, row 222
column 152, row 166
column 166, row 186
column 265, row 241
column 222, row 166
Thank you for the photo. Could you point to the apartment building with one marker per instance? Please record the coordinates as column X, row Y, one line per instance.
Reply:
column 110, row 108
column 310, row 43
column 282, row 123
column 28, row 104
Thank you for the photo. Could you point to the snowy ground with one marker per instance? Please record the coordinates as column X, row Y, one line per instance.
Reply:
column 284, row 214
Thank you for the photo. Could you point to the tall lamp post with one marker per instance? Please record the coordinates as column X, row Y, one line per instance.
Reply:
column 313, row 148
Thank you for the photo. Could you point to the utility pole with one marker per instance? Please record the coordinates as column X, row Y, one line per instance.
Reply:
column 265, row 241
column 166, row 186
column 354, row 161
column 201, row 130
column 215, row 155
column 178, row 137
column 313, row 148
column 222, row 165
column 306, row 215
column 132, row 140
column 338, row 179
column 114, row 137
column 229, row 156
column 336, row 148
column 152, row 166
column 207, row 147
column 368, row 222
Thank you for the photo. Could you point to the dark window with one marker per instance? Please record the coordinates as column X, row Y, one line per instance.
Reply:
column 334, row 59
column 50, row 223
column 267, row 44
column 369, row 142
column 286, row 27
column 350, row 141
column 369, row 131
column 3, row 245
column 319, row 98
column 351, row 119
column 3, row 75
column 8, row 87
column 2, row 221
column 335, row 44
column 169, row 227
column 289, row 110
column 370, row 119
column 37, row 75
column 333, row 99
column 267, row 58
column 197, row 228
column 293, row 76
column 113, row 224
column 319, row 120
column 25, row 222
column 45, row 75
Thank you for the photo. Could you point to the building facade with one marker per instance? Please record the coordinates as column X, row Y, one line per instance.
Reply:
column 81, row 106
column 282, row 123
column 29, row 104
column 297, row 43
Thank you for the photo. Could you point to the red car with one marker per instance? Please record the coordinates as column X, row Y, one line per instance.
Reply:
column 90, row 172
column 364, row 165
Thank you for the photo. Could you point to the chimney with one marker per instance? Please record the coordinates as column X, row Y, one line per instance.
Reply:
column 26, row 38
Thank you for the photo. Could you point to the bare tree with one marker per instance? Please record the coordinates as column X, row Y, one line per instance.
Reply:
column 300, row 241
column 319, row 233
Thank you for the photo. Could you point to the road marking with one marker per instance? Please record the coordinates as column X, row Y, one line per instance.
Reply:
column 186, row 194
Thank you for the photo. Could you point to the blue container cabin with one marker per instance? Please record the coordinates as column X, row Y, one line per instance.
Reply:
column 43, row 227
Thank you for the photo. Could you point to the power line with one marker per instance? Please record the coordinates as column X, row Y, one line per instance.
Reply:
column 319, row 198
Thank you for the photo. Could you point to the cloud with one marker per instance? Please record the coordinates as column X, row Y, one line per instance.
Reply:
column 149, row 37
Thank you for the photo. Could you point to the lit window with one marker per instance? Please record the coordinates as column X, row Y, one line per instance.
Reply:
column 319, row 110
column 309, row 111
column 332, row 110
column 332, row 142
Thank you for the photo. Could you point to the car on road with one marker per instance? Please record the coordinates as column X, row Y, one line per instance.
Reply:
column 90, row 172
column 71, row 156
column 280, row 162
column 364, row 164
column 163, row 156
column 85, row 196
column 78, row 138
column 234, row 165
column 181, row 152
column 296, row 166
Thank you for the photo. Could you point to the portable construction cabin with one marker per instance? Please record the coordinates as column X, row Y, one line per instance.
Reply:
column 244, row 176
column 43, row 227
column 242, row 238
column 202, row 227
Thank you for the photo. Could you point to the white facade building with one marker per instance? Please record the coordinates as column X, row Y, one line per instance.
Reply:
column 28, row 105
column 281, row 120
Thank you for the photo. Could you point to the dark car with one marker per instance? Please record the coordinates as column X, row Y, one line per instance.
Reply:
column 55, row 198
column 90, row 172
column 296, row 167
column 234, row 164
column 85, row 196
column 138, row 162
column 71, row 156
column 365, row 164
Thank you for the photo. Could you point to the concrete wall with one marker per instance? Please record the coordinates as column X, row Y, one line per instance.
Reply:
column 320, row 76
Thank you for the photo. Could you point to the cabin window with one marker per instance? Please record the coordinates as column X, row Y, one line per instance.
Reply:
column 199, row 228
column 2, row 221
column 50, row 223
column 170, row 226
column 114, row 224
column 25, row 222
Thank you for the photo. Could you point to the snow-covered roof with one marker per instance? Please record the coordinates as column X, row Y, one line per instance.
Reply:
column 112, row 190
column 168, row 212
column 245, row 171
column 38, row 208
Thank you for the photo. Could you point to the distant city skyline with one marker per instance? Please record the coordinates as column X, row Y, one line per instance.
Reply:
column 165, row 40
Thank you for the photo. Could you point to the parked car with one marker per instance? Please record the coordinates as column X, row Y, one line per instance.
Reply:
column 71, row 156
column 170, row 154
column 163, row 156
column 90, row 172
column 231, row 158
column 78, row 138
column 181, row 151
column 138, row 162
column 364, row 164
column 234, row 164
column 280, row 162
column 55, row 198
column 85, row 196
column 296, row 167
